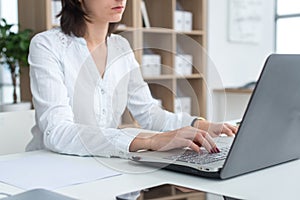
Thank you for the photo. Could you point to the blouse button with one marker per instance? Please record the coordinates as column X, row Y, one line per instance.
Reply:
column 102, row 91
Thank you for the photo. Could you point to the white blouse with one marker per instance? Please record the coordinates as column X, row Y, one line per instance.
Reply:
column 78, row 111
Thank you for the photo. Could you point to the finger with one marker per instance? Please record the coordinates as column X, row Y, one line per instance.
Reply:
column 215, row 129
column 204, row 139
column 234, row 129
column 199, row 136
column 227, row 131
column 193, row 146
column 212, row 143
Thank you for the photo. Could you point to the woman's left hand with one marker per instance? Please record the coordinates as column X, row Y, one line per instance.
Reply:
column 216, row 129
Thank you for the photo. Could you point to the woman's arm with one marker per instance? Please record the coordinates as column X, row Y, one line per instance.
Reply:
column 55, row 117
column 184, row 137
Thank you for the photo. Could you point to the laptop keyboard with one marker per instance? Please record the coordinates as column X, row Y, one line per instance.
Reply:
column 201, row 158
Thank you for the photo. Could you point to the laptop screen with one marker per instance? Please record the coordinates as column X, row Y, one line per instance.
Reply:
column 269, row 132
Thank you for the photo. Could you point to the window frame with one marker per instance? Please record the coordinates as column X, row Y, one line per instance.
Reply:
column 283, row 16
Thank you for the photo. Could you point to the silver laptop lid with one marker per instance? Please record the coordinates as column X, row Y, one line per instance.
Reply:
column 270, row 130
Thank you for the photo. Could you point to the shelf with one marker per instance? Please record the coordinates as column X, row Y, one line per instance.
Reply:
column 168, row 31
column 161, row 77
column 191, row 32
column 121, row 29
column 157, row 30
column 235, row 90
column 192, row 76
column 166, row 77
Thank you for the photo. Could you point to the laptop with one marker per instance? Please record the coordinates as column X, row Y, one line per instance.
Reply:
column 269, row 133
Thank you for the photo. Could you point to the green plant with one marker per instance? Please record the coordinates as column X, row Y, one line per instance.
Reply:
column 14, row 48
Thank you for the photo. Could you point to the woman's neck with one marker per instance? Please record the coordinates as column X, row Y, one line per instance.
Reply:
column 95, row 35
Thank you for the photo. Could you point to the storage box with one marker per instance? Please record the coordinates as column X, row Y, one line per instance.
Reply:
column 183, row 64
column 151, row 65
column 178, row 20
column 187, row 21
column 183, row 21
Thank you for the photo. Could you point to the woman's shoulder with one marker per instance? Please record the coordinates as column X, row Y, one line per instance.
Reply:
column 53, row 37
column 120, row 42
column 117, row 37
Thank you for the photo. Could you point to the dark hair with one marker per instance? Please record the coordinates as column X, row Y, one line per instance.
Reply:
column 73, row 19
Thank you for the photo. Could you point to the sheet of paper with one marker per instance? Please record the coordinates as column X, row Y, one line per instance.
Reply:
column 52, row 171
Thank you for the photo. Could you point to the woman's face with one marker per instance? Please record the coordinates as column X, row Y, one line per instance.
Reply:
column 104, row 10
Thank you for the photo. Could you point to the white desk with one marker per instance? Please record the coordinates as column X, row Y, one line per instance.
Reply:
column 279, row 182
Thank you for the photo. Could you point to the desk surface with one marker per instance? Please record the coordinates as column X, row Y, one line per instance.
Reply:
column 278, row 182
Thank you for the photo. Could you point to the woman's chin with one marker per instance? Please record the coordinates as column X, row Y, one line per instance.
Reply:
column 116, row 19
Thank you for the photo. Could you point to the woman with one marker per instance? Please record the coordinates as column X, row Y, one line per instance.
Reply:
column 82, row 79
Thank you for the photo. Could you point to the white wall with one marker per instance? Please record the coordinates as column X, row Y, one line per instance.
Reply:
column 9, row 10
column 234, row 64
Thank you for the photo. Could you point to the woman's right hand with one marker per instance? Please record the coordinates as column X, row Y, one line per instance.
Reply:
column 184, row 137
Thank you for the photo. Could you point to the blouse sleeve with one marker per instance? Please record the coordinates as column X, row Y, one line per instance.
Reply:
column 54, row 115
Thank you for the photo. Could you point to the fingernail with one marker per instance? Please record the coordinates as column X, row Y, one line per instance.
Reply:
column 218, row 150
column 213, row 150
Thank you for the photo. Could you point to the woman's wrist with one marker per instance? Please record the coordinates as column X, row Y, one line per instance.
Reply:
column 200, row 123
column 141, row 142
column 197, row 119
